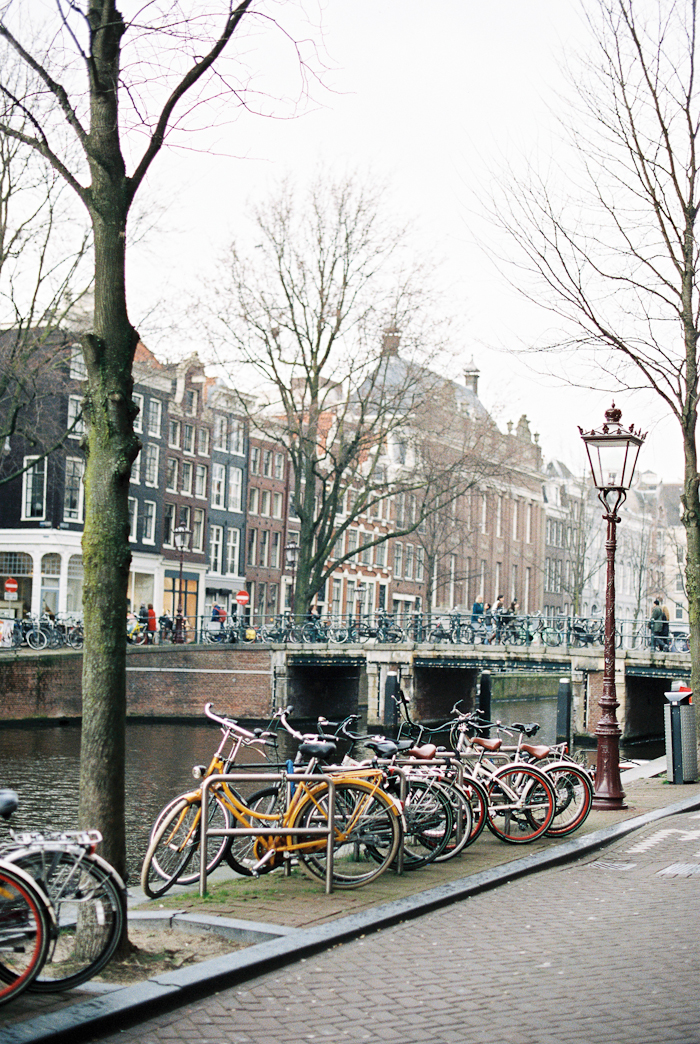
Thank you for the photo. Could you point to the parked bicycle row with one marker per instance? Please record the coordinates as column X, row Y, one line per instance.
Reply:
column 62, row 909
column 393, row 804
column 45, row 632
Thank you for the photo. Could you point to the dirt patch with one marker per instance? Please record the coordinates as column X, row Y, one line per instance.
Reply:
column 165, row 950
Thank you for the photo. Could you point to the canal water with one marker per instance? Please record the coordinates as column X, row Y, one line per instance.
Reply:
column 41, row 763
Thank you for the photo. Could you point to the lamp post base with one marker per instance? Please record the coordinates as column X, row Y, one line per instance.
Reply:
column 609, row 795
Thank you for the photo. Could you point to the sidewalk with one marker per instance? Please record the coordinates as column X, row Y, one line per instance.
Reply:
column 300, row 919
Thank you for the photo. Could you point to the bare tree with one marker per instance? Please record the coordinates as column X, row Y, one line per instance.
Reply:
column 617, row 256
column 82, row 91
column 318, row 309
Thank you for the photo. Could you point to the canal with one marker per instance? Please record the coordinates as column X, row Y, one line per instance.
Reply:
column 41, row 762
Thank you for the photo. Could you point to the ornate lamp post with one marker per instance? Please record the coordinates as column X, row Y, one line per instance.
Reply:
column 182, row 540
column 612, row 454
column 291, row 552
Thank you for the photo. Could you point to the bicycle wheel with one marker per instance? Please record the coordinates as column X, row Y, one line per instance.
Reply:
column 364, row 817
column 462, row 821
column 26, row 927
column 478, row 799
column 175, row 842
column 76, row 638
column 521, row 804
column 551, row 636
column 36, row 639
column 429, row 822
column 573, row 792
column 88, row 898
column 339, row 635
column 239, row 853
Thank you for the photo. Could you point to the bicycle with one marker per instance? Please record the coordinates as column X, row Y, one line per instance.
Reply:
column 88, row 898
column 364, row 816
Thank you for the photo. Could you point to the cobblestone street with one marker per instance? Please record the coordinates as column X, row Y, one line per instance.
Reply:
column 600, row 950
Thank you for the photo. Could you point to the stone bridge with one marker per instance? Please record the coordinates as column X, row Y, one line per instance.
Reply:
column 247, row 681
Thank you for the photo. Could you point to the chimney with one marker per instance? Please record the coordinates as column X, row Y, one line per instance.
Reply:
column 391, row 339
column 471, row 376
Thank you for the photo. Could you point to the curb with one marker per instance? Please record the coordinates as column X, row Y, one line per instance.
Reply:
column 156, row 996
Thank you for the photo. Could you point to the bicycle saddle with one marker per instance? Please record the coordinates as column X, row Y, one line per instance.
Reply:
column 8, row 803
column 426, row 753
column 529, row 729
column 317, row 748
column 385, row 748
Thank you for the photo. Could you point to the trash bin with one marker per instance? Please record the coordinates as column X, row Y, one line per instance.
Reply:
column 681, row 741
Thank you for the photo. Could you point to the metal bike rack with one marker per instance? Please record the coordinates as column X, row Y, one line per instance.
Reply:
column 262, row 830
column 403, row 765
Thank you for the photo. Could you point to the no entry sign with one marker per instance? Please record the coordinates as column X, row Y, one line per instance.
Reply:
column 10, row 589
column 242, row 597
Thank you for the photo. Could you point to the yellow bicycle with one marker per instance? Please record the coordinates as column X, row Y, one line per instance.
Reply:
column 367, row 822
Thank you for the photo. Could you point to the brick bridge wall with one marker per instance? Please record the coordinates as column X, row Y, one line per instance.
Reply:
column 164, row 681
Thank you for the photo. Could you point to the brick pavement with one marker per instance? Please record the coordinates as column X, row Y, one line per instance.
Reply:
column 600, row 950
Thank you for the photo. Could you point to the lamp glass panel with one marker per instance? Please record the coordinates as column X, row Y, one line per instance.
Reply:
column 613, row 461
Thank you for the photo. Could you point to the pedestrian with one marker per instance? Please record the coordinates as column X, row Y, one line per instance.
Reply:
column 498, row 613
column 665, row 630
column 152, row 624
column 656, row 623
column 477, row 612
column 215, row 612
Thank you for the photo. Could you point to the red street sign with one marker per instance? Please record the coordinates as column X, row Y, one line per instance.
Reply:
column 242, row 597
column 10, row 585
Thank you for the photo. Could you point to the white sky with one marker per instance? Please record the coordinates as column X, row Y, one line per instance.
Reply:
column 430, row 98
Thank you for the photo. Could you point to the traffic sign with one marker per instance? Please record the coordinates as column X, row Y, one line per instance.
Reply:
column 242, row 597
column 10, row 589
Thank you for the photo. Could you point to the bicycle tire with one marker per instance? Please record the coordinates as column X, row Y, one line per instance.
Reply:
column 339, row 635
column 26, row 928
column 76, row 639
column 521, row 804
column 428, row 822
column 459, row 837
column 364, row 817
column 36, row 639
column 573, row 791
column 174, row 843
column 216, row 846
column 551, row 637
column 89, row 901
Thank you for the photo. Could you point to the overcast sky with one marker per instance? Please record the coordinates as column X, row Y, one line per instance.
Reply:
column 431, row 99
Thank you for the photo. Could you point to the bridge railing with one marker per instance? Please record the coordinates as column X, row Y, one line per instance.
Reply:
column 424, row 628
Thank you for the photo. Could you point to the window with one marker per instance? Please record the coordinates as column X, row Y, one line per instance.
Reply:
column 236, row 437
column 138, row 419
column 190, row 402
column 399, row 509
column 252, row 542
column 366, row 556
column 149, row 522
column 380, row 555
column 255, row 460
column 174, row 434
column 498, row 592
column 136, row 469
column 75, row 416
column 198, row 530
column 267, row 463
column 275, row 551
column 253, row 494
column 151, row 469
column 528, row 524
column 679, row 612
column 279, row 465
column 352, row 541
column 264, row 547
column 155, row 411
column 526, row 593
column 499, row 516
column 265, row 503
column 398, row 561
column 482, row 579
column 78, row 369
column 216, row 549
column 203, row 442
column 133, row 517
column 168, row 524
column 409, row 561
column 235, row 488
column 420, row 564
column 200, row 480
column 484, row 512
column 679, row 581
column 187, row 477
column 188, row 438
column 336, row 589
column 34, row 488
column 515, row 520
column 233, row 550
column 218, row 485
column 514, row 582
column 73, row 490
column 220, row 432
column 171, row 475
column 277, row 505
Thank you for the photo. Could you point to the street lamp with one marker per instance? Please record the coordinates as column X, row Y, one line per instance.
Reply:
column 612, row 454
column 291, row 553
column 182, row 540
